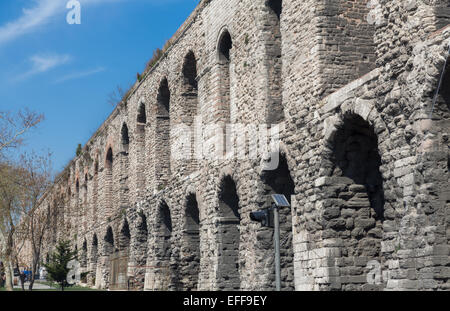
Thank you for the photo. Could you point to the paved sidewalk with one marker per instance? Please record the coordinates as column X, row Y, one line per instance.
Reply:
column 36, row 285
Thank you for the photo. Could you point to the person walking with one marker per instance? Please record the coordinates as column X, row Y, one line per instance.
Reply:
column 2, row 275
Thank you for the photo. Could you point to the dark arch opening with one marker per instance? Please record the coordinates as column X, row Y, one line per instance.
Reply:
column 280, row 181
column 109, row 242
column 356, row 156
column 354, row 204
column 142, row 116
column 163, row 248
column 164, row 231
column 140, row 253
column 276, row 6
column 225, row 45
column 229, row 236
column 190, row 70
column 191, row 261
column 223, row 111
column 142, row 227
column 163, row 135
column 190, row 101
column 77, row 185
column 274, row 62
column 125, row 137
column 109, row 158
column 94, row 257
column 124, row 237
column 163, row 99
column 83, row 260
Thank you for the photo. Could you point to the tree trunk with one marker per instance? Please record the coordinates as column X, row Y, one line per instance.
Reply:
column 9, row 275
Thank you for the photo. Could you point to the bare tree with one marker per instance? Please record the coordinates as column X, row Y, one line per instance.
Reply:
column 13, row 127
column 10, row 214
column 116, row 96
column 38, row 216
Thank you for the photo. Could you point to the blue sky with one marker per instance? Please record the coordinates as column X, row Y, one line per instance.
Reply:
column 67, row 72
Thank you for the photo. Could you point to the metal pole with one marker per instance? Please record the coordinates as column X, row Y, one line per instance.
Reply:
column 276, row 238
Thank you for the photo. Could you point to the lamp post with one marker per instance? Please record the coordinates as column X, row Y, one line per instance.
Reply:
column 270, row 217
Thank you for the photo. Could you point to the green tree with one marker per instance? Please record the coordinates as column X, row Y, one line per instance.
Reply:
column 79, row 150
column 57, row 266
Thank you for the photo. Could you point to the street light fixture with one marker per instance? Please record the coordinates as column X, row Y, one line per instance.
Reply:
column 270, row 217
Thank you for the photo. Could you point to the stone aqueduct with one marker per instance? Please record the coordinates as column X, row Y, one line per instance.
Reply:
column 363, row 154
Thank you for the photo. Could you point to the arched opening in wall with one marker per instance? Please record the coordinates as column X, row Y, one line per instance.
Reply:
column 163, row 247
column 224, row 49
column 124, row 237
column 95, row 193
column 85, row 202
column 109, row 242
column 223, row 111
column 108, row 180
column 125, row 139
column 191, row 249
column 354, row 208
column 77, row 186
column 142, row 115
column 108, row 252
column 163, row 134
column 190, row 97
column 140, row 257
column 83, row 262
column 109, row 159
column 141, row 146
column 94, row 259
column 274, row 63
column 229, row 236
column 280, row 181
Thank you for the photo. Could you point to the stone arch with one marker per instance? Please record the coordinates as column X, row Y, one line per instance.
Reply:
column 95, row 191
column 163, row 99
column 222, row 113
column 140, row 143
column 108, row 182
column 280, row 181
column 125, row 138
column 162, row 149
column 83, row 260
column 274, row 62
column 138, row 253
column 108, row 246
column 352, row 196
column 109, row 158
column 141, row 115
column 166, row 270
column 228, row 272
column 190, row 71
column 189, row 94
column 190, row 253
column 124, row 236
column 93, row 275
column 225, row 44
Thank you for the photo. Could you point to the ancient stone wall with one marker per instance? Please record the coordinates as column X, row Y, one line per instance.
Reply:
column 362, row 159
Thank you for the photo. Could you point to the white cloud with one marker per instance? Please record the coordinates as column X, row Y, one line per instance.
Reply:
column 31, row 19
column 81, row 74
column 37, row 16
column 44, row 63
